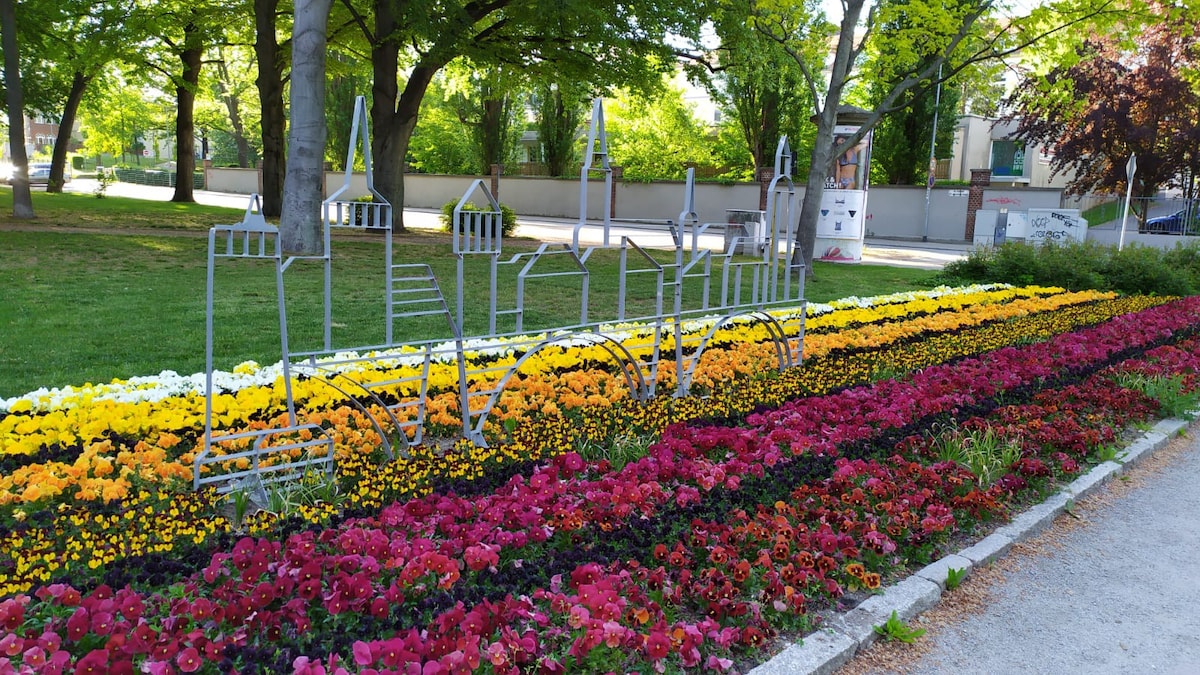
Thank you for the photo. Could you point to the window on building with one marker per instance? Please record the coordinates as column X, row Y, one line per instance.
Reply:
column 1008, row 158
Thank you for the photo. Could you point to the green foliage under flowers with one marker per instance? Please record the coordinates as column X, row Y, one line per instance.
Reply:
column 955, row 577
column 287, row 498
column 1078, row 266
column 897, row 630
column 985, row 453
column 1109, row 452
column 1173, row 399
column 619, row 450
column 508, row 217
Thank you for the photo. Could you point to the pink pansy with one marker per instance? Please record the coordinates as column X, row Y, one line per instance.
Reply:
column 658, row 645
column 302, row 665
column 362, row 653
column 718, row 664
column 35, row 657
column 189, row 660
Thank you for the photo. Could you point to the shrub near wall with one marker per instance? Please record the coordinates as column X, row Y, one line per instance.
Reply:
column 151, row 177
column 1078, row 266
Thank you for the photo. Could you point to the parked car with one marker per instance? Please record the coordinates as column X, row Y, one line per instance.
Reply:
column 39, row 174
column 1176, row 223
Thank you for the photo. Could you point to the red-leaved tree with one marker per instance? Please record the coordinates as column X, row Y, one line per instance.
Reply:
column 1114, row 102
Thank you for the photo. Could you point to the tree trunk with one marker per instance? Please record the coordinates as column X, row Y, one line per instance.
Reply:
column 235, row 116
column 392, row 120
column 560, row 120
column 185, row 131
column 22, row 199
column 810, row 207
column 388, row 140
column 768, row 130
column 394, row 113
column 493, row 132
column 300, row 226
column 822, row 155
column 270, row 94
column 389, row 147
column 58, row 161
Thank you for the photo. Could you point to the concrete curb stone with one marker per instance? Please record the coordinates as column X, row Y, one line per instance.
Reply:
column 821, row 653
column 938, row 570
column 824, row 652
column 989, row 548
column 1089, row 482
column 1142, row 447
column 1036, row 518
column 907, row 599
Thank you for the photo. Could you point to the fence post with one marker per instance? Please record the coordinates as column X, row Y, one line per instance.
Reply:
column 764, row 175
column 980, row 178
column 617, row 173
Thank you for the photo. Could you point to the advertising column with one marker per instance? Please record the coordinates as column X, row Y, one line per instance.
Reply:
column 840, row 224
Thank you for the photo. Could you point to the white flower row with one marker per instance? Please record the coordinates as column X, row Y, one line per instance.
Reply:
column 151, row 388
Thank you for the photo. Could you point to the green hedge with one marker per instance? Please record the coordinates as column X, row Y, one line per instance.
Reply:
column 1077, row 266
column 154, row 177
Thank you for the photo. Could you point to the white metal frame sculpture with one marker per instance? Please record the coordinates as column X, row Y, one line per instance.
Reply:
column 412, row 291
column 269, row 455
column 338, row 211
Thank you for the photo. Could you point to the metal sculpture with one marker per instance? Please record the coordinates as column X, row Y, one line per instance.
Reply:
column 397, row 404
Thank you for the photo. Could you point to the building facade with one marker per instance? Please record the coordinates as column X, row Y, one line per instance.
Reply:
column 987, row 143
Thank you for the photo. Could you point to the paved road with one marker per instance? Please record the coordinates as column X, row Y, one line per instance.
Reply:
column 650, row 235
column 1118, row 594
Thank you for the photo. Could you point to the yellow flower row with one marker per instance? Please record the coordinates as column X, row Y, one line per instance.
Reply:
column 924, row 305
column 543, row 389
column 23, row 433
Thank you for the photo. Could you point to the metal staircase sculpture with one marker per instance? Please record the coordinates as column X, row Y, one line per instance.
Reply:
column 277, row 453
column 390, row 383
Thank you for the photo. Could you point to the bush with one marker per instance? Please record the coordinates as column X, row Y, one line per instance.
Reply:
column 1077, row 266
column 1143, row 269
column 508, row 217
column 366, row 216
column 1073, row 266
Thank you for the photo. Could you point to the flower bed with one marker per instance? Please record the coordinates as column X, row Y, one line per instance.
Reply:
column 73, row 538
column 789, row 492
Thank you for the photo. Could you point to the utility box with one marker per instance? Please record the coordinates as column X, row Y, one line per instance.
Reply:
column 1001, row 230
column 749, row 227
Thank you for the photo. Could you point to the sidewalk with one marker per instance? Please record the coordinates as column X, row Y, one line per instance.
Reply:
column 932, row 256
column 1113, row 592
column 1108, row 587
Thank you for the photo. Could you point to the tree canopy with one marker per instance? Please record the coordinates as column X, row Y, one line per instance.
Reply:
column 929, row 34
column 1115, row 99
column 619, row 43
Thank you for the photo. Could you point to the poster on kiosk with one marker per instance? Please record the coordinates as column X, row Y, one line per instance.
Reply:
column 840, row 224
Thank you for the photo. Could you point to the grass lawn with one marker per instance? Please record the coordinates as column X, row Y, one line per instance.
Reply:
column 89, row 307
column 1102, row 213
column 116, row 213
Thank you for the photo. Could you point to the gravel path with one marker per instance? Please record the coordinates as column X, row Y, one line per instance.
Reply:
column 1114, row 588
